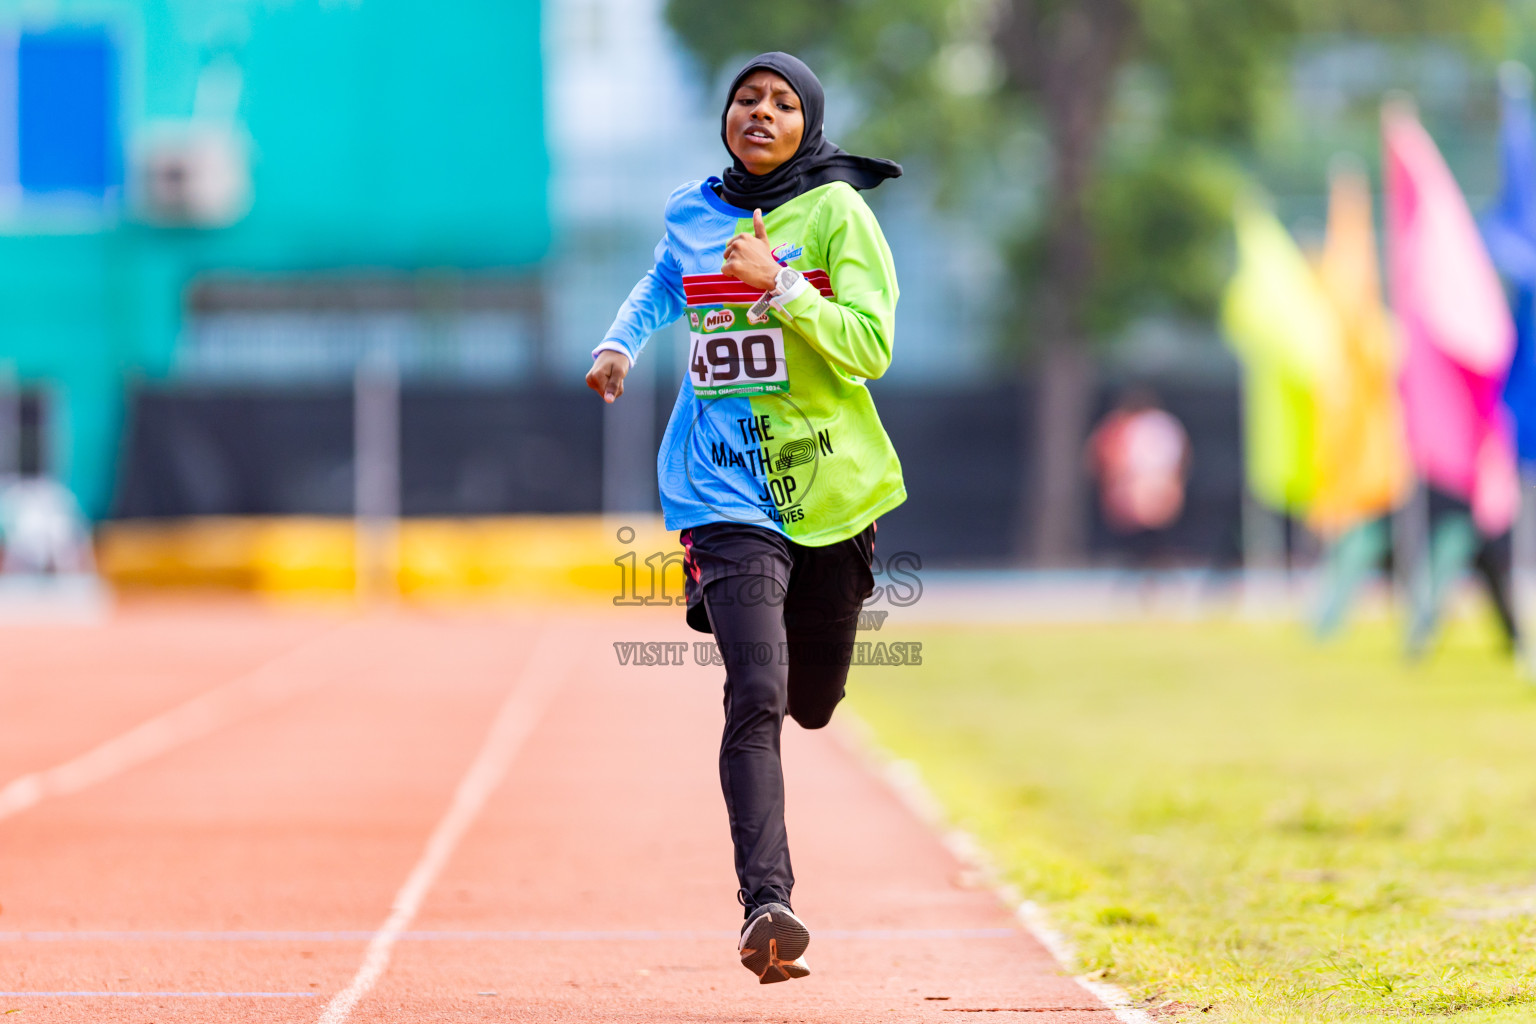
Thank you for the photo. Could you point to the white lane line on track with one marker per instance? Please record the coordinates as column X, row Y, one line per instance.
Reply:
column 520, row 712
column 904, row 780
column 265, row 686
column 648, row 935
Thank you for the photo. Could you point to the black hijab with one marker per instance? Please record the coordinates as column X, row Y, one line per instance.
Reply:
column 817, row 162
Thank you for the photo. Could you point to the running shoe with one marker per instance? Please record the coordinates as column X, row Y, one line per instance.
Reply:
column 772, row 945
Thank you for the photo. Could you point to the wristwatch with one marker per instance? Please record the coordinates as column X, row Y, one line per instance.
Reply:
column 786, row 279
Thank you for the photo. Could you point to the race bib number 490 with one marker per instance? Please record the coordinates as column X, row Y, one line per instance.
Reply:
column 746, row 362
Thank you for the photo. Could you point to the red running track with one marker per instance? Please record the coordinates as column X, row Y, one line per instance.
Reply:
column 239, row 859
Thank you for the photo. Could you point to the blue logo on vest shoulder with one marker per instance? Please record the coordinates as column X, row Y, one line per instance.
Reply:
column 786, row 251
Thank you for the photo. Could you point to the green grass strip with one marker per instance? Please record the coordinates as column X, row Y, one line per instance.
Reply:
column 1226, row 815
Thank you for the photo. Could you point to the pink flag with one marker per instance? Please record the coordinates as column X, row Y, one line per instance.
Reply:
column 1458, row 337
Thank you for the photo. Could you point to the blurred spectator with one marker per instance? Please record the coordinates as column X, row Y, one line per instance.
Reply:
column 1458, row 541
column 1139, row 454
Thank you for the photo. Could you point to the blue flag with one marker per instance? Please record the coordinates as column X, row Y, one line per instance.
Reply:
column 1509, row 228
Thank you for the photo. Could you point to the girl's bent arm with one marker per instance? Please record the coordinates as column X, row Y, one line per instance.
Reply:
column 853, row 331
column 655, row 301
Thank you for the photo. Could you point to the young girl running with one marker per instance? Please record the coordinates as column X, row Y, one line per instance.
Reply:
column 774, row 464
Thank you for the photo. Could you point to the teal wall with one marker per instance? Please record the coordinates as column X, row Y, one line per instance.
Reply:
column 386, row 134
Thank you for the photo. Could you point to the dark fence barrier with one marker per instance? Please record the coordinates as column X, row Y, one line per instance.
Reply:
column 464, row 452
column 472, row 452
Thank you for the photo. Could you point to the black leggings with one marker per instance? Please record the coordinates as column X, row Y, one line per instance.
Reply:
column 786, row 650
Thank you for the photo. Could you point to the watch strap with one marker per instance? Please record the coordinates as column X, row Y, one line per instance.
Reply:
column 791, row 293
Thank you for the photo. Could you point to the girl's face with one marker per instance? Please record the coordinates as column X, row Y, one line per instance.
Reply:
column 764, row 123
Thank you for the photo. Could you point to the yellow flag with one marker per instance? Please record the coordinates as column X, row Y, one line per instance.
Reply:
column 1362, row 462
column 1286, row 335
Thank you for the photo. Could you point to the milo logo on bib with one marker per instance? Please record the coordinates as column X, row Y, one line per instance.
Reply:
column 719, row 320
column 724, row 360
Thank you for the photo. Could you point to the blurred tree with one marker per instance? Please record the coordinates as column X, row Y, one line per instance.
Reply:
column 951, row 83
